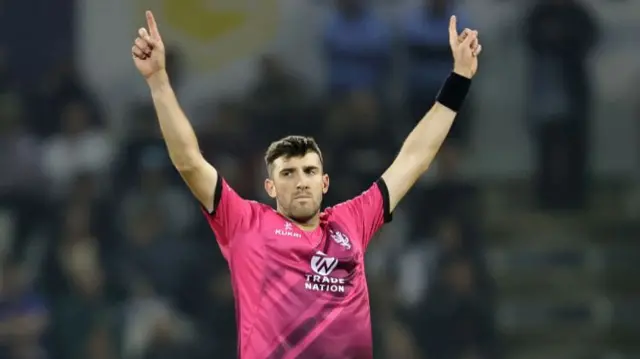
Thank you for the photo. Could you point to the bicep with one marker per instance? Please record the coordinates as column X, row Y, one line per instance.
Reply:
column 400, row 177
column 202, row 180
column 417, row 152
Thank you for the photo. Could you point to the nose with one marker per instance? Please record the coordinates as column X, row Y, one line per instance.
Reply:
column 303, row 184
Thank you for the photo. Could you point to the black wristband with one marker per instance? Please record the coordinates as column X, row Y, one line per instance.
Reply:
column 454, row 91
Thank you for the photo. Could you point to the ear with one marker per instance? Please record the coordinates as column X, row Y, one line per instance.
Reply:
column 270, row 187
column 325, row 183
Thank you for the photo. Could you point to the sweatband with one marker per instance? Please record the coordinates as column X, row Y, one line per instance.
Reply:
column 454, row 91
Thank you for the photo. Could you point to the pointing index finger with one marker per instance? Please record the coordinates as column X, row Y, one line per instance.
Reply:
column 151, row 23
column 453, row 30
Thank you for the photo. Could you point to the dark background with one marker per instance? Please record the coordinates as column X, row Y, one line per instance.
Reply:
column 520, row 242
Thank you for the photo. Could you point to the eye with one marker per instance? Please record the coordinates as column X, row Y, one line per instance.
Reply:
column 311, row 171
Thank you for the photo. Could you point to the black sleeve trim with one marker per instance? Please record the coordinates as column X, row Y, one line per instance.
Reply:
column 217, row 194
column 386, row 206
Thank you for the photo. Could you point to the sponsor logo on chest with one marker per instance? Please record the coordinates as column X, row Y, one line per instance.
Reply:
column 287, row 231
column 322, row 281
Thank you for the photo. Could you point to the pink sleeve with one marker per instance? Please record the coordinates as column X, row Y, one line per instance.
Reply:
column 368, row 211
column 231, row 213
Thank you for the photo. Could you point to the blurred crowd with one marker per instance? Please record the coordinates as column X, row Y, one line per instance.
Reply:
column 105, row 254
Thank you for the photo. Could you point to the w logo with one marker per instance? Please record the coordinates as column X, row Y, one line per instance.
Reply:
column 323, row 265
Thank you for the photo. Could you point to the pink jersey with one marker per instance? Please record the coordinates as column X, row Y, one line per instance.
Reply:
column 300, row 294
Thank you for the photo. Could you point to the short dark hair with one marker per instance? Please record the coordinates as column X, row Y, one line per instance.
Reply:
column 291, row 146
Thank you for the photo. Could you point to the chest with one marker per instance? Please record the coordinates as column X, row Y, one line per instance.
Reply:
column 330, row 250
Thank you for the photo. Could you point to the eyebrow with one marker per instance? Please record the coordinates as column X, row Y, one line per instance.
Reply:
column 304, row 168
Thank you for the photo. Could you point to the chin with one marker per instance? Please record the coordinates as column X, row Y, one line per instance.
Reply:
column 303, row 215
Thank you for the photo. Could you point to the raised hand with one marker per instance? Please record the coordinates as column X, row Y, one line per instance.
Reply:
column 475, row 45
column 148, row 50
column 465, row 48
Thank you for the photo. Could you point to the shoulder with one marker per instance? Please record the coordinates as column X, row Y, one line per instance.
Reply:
column 260, row 207
column 338, row 212
column 260, row 213
column 333, row 211
column 257, row 221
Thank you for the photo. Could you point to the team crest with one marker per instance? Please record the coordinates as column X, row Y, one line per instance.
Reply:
column 341, row 239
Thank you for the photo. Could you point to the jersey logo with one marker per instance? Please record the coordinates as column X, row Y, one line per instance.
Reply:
column 288, row 231
column 322, row 281
column 322, row 264
column 341, row 239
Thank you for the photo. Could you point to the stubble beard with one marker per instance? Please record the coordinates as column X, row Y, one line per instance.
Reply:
column 301, row 214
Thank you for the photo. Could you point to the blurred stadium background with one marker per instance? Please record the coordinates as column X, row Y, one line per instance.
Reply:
column 521, row 242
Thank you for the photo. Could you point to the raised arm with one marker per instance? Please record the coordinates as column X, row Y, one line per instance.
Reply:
column 198, row 174
column 425, row 140
column 149, row 57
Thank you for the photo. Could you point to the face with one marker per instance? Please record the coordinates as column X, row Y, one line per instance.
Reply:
column 298, row 184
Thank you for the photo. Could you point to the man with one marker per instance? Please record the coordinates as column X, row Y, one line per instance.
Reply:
column 298, row 273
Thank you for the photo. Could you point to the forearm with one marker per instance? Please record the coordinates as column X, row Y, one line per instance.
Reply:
column 177, row 132
column 425, row 140
column 422, row 144
column 417, row 152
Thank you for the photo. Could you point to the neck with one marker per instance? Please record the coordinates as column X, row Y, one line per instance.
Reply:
column 307, row 225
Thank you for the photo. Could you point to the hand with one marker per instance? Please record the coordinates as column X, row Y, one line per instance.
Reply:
column 148, row 50
column 475, row 45
column 465, row 48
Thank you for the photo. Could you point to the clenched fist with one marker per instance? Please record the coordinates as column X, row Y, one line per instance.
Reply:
column 148, row 50
column 465, row 49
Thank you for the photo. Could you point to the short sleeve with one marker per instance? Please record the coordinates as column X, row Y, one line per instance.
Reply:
column 368, row 212
column 231, row 213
